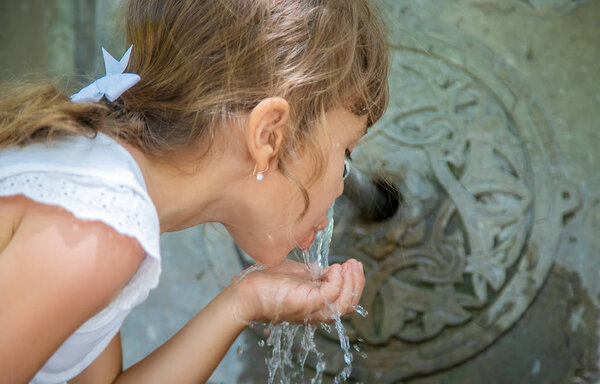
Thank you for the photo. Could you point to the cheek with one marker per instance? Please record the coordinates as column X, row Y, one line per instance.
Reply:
column 323, row 195
column 335, row 181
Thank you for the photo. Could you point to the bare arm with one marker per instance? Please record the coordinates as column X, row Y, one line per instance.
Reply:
column 188, row 357
column 195, row 351
column 286, row 292
column 55, row 273
column 105, row 368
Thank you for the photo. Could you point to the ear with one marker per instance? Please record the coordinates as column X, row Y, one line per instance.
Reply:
column 266, row 129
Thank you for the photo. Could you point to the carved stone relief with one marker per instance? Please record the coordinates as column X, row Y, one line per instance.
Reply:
column 561, row 5
column 483, row 207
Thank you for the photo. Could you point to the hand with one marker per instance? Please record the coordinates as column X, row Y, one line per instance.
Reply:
column 286, row 292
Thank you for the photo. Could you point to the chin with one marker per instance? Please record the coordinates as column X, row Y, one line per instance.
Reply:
column 269, row 258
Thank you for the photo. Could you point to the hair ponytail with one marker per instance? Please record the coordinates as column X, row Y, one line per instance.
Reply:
column 39, row 112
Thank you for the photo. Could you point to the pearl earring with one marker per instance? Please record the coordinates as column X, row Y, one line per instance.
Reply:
column 259, row 175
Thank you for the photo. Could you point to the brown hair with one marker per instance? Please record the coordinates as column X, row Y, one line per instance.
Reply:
column 204, row 64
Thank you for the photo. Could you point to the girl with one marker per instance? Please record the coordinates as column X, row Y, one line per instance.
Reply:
column 243, row 113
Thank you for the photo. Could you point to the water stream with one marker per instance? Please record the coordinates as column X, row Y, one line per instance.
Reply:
column 283, row 366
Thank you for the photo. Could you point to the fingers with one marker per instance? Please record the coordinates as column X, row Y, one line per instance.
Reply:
column 344, row 302
column 355, row 270
column 352, row 285
column 313, row 301
column 359, row 283
column 331, row 286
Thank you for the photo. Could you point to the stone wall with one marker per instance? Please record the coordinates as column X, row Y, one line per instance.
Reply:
column 58, row 40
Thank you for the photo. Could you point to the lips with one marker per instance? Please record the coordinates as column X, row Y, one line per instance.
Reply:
column 305, row 245
column 322, row 227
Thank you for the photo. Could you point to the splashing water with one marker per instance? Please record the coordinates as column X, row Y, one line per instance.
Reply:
column 252, row 268
column 281, row 338
column 360, row 310
column 280, row 363
column 317, row 257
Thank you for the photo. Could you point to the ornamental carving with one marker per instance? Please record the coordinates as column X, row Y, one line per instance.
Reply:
column 542, row 5
column 483, row 207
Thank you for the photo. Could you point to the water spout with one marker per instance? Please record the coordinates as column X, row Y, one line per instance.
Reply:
column 377, row 200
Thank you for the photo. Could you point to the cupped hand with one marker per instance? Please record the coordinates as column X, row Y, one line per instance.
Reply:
column 287, row 292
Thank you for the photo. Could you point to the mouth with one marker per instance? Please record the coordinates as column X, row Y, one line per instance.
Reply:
column 322, row 227
column 305, row 245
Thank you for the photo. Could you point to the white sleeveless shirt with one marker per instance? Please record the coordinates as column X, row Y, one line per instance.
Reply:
column 94, row 179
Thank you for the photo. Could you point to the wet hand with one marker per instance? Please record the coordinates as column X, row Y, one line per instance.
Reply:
column 287, row 292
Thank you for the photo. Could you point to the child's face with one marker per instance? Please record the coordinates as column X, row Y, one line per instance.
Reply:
column 272, row 229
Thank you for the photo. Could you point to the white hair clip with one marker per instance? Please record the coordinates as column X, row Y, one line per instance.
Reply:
column 112, row 84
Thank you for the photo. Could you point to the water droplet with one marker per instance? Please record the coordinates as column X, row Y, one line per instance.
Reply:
column 325, row 327
column 261, row 343
column 356, row 348
column 360, row 310
column 348, row 358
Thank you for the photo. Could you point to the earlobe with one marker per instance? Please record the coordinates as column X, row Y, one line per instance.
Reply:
column 266, row 129
column 259, row 174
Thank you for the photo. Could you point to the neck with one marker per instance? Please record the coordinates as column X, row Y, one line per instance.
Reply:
column 183, row 196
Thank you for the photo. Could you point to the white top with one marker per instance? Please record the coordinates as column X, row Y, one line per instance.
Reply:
column 94, row 179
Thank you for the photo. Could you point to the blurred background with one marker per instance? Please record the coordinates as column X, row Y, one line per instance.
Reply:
column 489, row 270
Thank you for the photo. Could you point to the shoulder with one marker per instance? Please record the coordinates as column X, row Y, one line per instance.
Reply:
column 50, row 241
column 121, row 205
column 56, row 272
